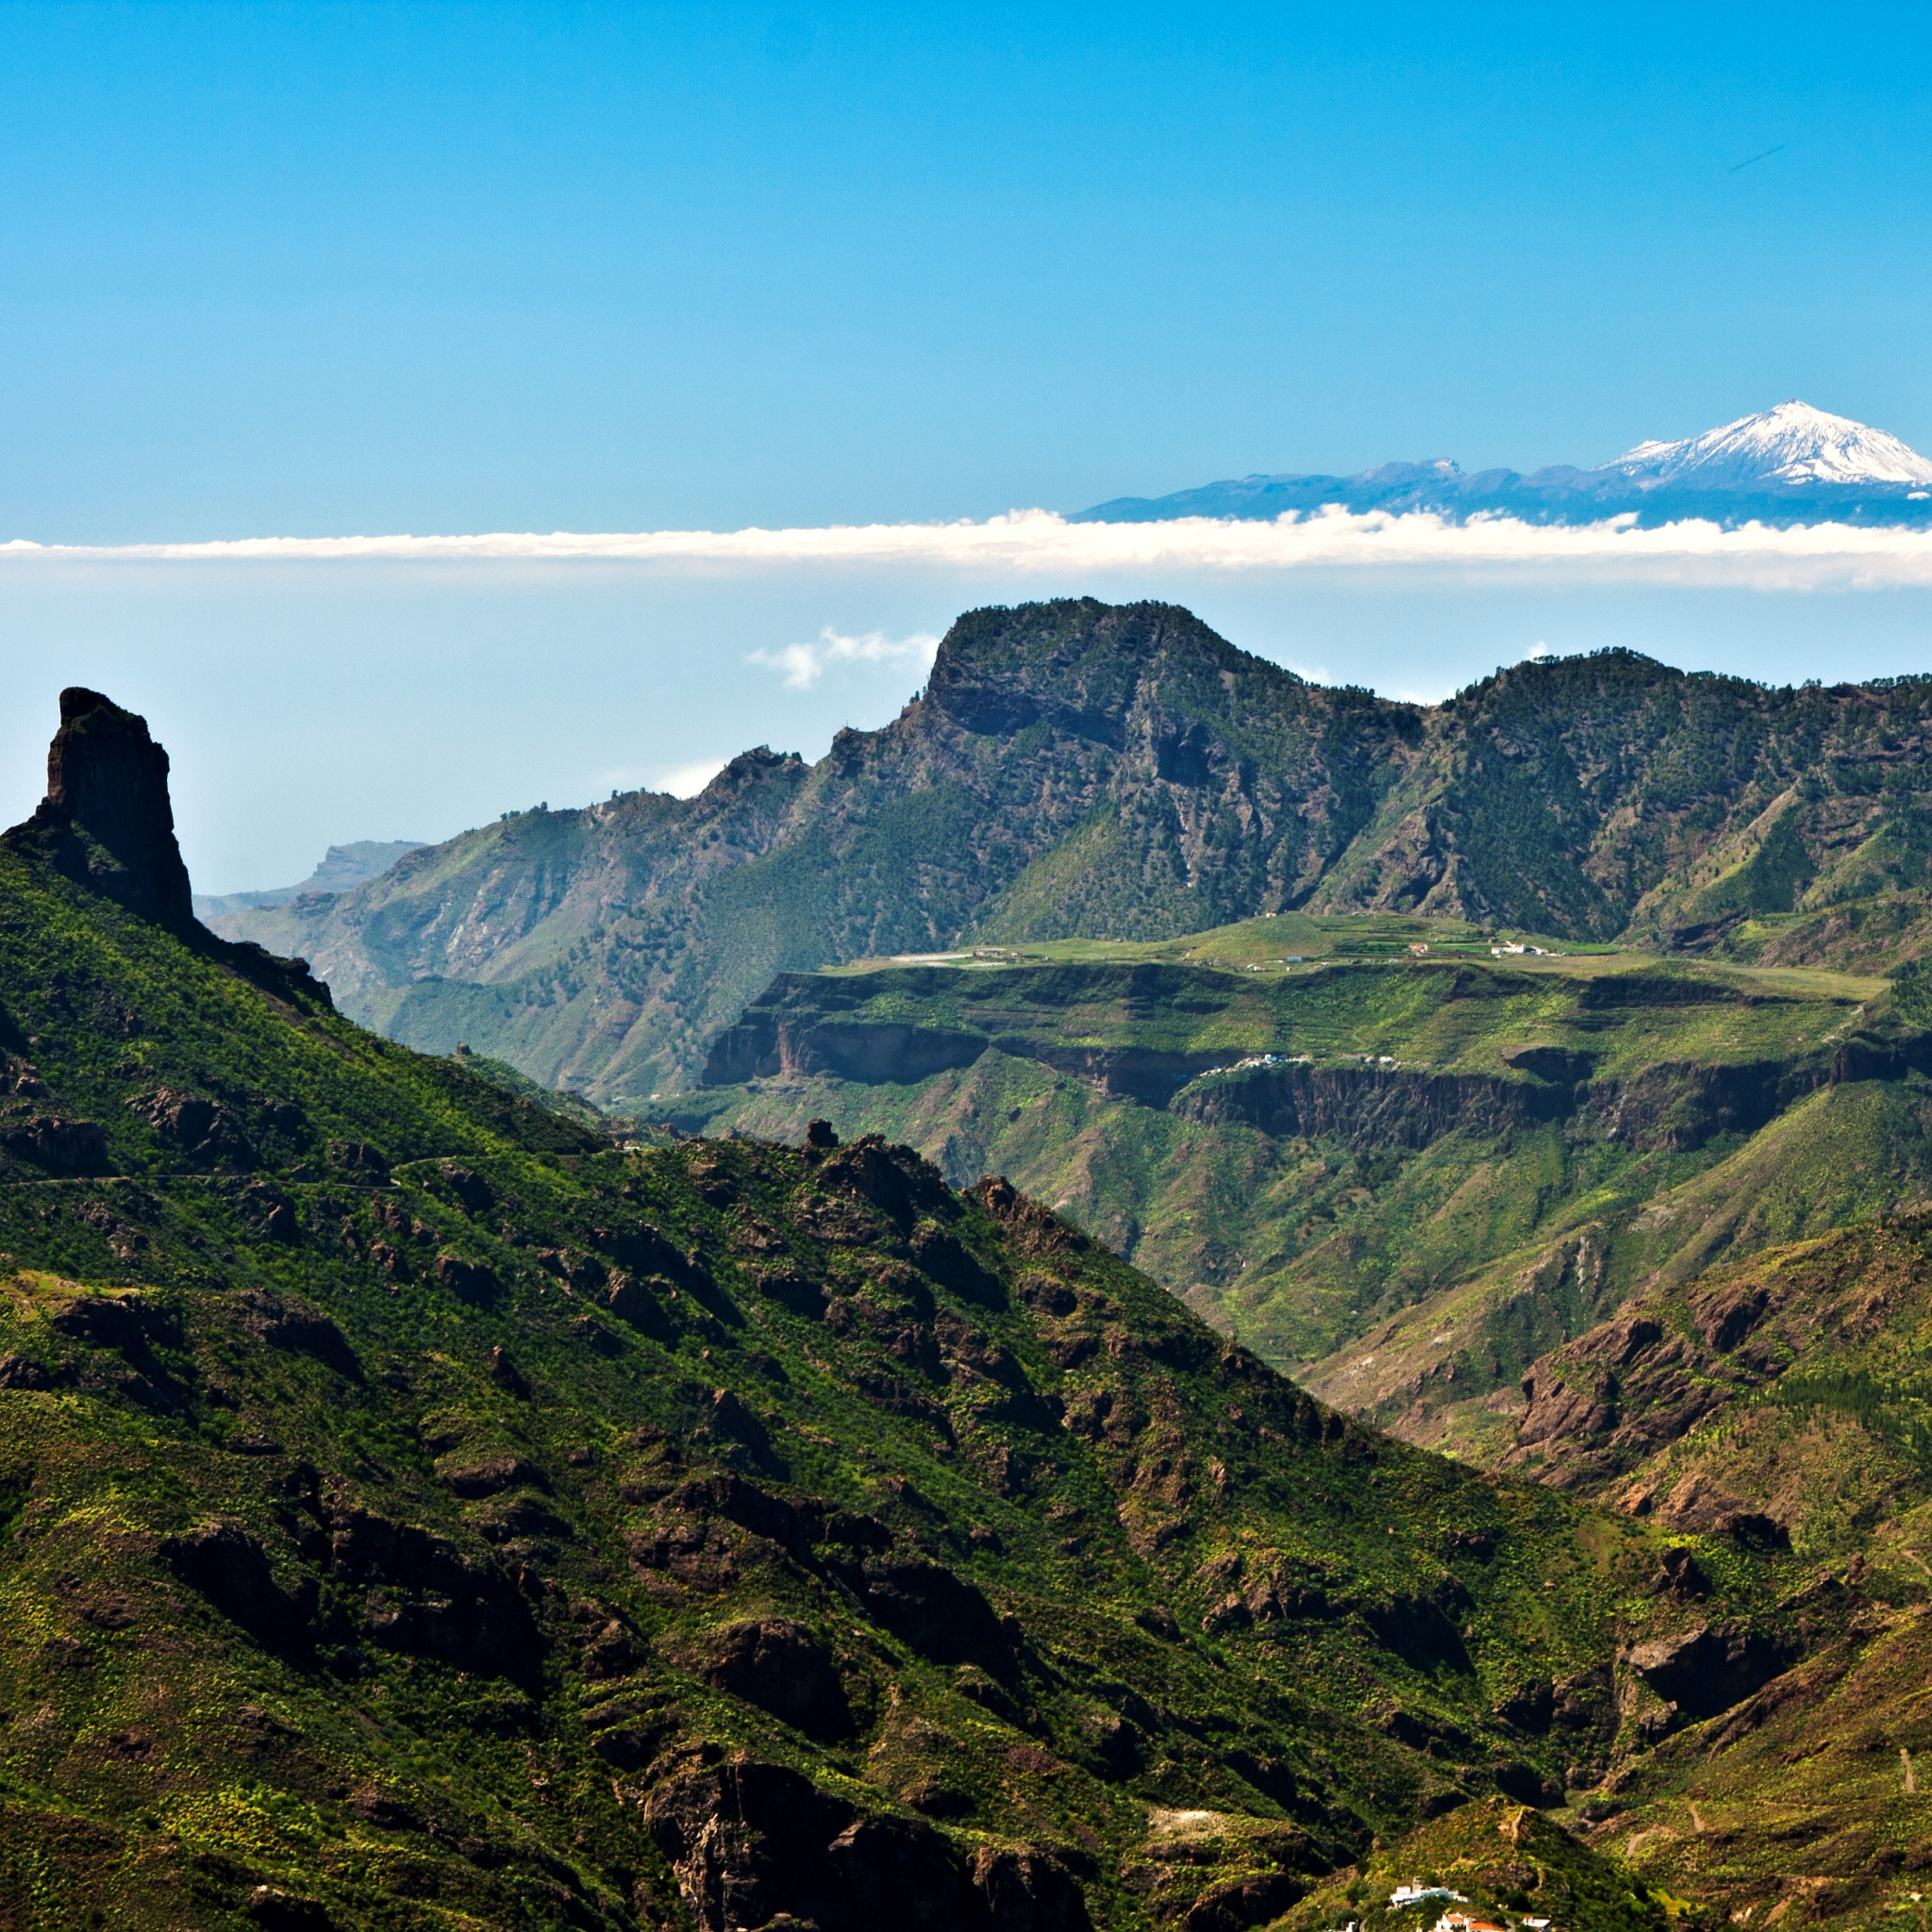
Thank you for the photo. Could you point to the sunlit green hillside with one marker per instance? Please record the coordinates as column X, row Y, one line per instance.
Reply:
column 1442, row 1118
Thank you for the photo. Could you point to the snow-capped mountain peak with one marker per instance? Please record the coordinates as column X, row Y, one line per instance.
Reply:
column 1791, row 444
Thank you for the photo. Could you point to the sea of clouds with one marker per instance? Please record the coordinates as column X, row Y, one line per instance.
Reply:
column 1035, row 542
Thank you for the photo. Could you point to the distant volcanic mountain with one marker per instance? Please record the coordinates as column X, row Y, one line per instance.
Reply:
column 1791, row 465
column 1792, row 446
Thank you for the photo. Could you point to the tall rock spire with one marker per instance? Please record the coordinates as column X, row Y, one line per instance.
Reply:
column 106, row 821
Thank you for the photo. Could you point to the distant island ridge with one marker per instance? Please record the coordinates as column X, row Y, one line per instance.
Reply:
column 1788, row 465
column 342, row 869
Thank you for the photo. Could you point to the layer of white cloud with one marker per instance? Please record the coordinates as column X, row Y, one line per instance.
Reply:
column 1038, row 542
column 805, row 664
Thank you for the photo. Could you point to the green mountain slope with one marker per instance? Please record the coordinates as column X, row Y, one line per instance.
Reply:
column 416, row 1510
column 1757, row 1380
column 1783, row 1398
column 1453, row 1161
column 1077, row 770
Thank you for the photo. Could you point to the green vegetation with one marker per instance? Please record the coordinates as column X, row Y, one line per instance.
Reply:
column 419, row 1510
column 1448, row 1130
column 1785, row 1399
column 1506, row 1861
column 423, row 1502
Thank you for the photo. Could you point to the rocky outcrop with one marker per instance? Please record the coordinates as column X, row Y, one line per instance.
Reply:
column 202, row 1129
column 1599, row 1404
column 59, row 1147
column 1704, row 1508
column 1371, row 1107
column 1567, row 1064
column 297, row 1331
column 1599, row 1407
column 1706, row 1670
column 1677, row 1108
column 759, row 1844
column 106, row 821
column 781, row 1666
column 423, row 1595
column 229, row 1567
column 773, row 1044
column 938, row 1612
column 769, row 1047
column 1144, row 1073
column 1240, row 1903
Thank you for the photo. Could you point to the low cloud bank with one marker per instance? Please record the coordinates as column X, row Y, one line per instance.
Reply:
column 1039, row 542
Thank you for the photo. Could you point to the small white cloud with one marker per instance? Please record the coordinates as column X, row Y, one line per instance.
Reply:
column 805, row 664
column 682, row 781
column 687, row 781
column 1538, row 650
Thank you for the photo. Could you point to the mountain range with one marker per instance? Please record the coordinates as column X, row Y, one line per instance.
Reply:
column 1082, row 770
column 342, row 867
column 1787, row 465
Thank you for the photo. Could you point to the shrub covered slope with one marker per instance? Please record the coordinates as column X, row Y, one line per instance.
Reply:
column 1462, row 1161
column 418, row 1510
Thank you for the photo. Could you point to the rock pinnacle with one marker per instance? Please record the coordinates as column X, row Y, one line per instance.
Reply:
column 107, row 822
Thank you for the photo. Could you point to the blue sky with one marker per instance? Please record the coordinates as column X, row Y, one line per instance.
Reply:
column 330, row 269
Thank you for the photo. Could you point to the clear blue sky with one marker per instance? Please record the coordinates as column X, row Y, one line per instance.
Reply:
column 326, row 269
column 316, row 268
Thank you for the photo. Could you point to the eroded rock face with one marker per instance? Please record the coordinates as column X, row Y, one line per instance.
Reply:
column 469, row 1281
column 1598, row 1404
column 201, row 1128
column 1240, row 1903
column 423, row 1595
column 106, row 818
column 1372, row 1107
column 749, row 1841
column 298, row 1330
column 230, row 1568
column 781, row 1666
column 940, row 1614
column 757, row 1844
column 57, row 1146
column 1021, row 1890
column 1708, row 1669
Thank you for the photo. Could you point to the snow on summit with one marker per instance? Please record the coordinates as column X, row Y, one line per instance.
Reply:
column 1793, row 443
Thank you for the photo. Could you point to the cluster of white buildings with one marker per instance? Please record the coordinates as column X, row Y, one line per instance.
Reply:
column 1416, row 1893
